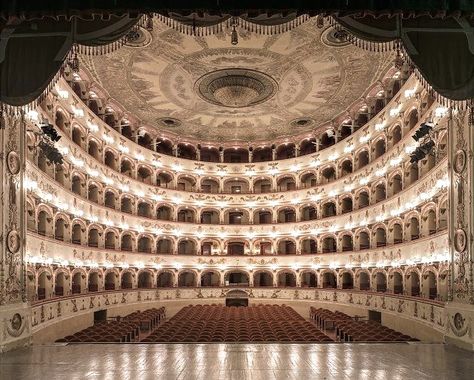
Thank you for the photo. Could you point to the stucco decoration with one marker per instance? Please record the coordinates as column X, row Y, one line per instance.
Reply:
column 310, row 80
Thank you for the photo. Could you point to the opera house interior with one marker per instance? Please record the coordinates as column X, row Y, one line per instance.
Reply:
column 221, row 190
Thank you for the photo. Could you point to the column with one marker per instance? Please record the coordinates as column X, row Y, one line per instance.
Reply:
column 14, row 311
column 460, row 306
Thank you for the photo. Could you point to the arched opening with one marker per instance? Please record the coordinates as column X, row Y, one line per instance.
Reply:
column 328, row 209
column 110, row 240
column 262, row 154
column 236, row 155
column 309, row 246
column 262, row 217
column 286, row 183
column 413, row 284
column 396, row 184
column 362, row 159
column 413, row 119
column 126, row 168
column 187, row 247
column 93, row 238
column 413, row 173
column 397, row 283
column 286, row 215
column 61, row 286
column 110, row 160
column 164, row 179
column 308, row 280
column 328, row 138
column 262, row 279
column 414, row 228
column 209, row 154
column 144, row 244
column 307, row 146
column 380, row 193
column 309, row 180
column 186, row 151
column 59, row 229
column 44, row 224
column 236, row 248
column 236, row 186
column 347, row 280
column 285, row 151
column 30, row 215
column 346, row 204
column 165, row 280
column 164, row 146
column 380, row 148
column 77, row 283
column 60, row 175
column 262, row 185
column 328, row 175
column 93, row 150
column 186, row 183
column 380, row 237
column 126, row 242
column 76, row 185
column 76, row 237
column 396, row 135
column 145, row 140
column 145, row 280
column 286, row 247
column 164, row 213
column 236, row 278
column 126, row 205
column 286, row 279
column 93, row 282
column 187, row 279
column 210, row 278
column 430, row 289
column 93, row 193
column 364, row 240
column 110, row 282
column 364, row 281
column 164, row 246
column 144, row 175
column 77, row 136
column 144, row 209
column 443, row 216
column 381, row 282
column 236, row 216
column 329, row 280
column 126, row 281
column 308, row 213
column 329, row 244
column 209, row 217
column 430, row 226
column 186, row 215
column 209, row 186
column 44, row 286
column 347, row 243
column 397, row 233
column 346, row 168
column 363, row 199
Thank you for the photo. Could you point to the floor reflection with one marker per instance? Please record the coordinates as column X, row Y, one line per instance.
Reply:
column 238, row 361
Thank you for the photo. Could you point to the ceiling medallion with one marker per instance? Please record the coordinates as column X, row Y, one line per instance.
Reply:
column 236, row 88
column 138, row 37
column 169, row 122
column 333, row 37
column 302, row 122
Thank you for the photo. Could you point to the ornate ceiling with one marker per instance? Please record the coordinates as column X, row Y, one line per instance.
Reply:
column 206, row 88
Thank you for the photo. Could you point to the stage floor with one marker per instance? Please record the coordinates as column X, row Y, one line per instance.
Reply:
column 353, row 361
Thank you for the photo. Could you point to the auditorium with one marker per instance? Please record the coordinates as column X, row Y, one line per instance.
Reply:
column 221, row 189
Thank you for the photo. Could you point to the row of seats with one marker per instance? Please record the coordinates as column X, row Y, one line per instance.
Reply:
column 349, row 329
column 216, row 323
column 119, row 330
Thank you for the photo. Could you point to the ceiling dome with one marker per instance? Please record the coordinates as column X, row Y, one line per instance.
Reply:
column 236, row 88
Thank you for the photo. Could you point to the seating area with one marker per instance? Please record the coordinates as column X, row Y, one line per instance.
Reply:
column 218, row 323
column 354, row 329
column 130, row 328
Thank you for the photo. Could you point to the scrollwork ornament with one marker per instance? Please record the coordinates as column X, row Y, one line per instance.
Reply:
column 458, row 325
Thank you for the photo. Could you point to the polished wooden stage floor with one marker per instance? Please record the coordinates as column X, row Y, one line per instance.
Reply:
column 353, row 361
